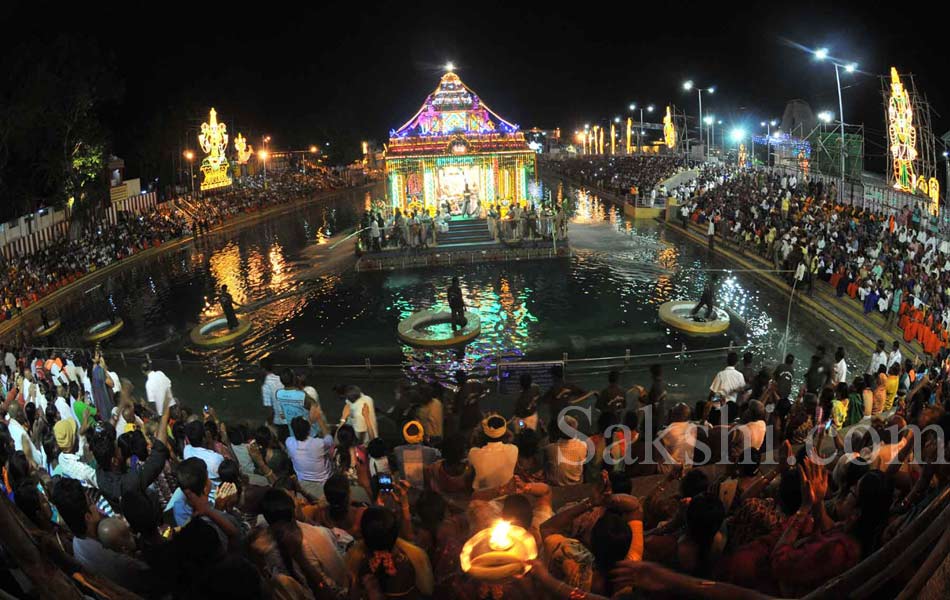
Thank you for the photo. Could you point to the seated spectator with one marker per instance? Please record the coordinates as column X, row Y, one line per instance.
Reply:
column 494, row 461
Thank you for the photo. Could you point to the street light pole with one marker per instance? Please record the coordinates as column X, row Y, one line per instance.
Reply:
column 841, row 113
column 191, row 175
column 822, row 54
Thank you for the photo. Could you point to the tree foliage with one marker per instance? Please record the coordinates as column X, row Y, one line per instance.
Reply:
column 53, row 143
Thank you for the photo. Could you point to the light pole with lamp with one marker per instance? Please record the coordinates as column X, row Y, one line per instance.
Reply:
column 688, row 85
column 822, row 54
column 633, row 106
column 946, row 184
column 710, row 121
column 768, row 141
column 263, row 156
column 190, row 157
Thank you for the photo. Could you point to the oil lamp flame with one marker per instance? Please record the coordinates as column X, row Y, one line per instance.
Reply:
column 500, row 536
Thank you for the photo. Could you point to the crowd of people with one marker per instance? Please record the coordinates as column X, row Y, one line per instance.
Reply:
column 128, row 484
column 780, row 479
column 635, row 178
column 24, row 279
column 420, row 228
column 896, row 263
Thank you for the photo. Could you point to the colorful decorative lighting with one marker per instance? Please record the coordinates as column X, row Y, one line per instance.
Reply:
column 244, row 150
column 213, row 140
column 669, row 131
column 902, row 135
column 457, row 150
column 629, row 127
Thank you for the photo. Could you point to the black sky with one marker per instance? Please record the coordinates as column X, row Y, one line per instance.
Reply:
column 342, row 72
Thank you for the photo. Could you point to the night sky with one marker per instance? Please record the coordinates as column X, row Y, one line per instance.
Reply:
column 344, row 72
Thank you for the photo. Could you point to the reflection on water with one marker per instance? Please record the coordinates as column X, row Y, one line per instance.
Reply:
column 601, row 302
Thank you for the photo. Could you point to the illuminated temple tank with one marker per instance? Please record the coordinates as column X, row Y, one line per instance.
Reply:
column 457, row 152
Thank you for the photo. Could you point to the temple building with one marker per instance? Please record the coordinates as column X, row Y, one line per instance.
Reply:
column 457, row 152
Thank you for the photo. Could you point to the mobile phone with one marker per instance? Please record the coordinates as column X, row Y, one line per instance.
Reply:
column 521, row 423
column 385, row 481
column 206, row 408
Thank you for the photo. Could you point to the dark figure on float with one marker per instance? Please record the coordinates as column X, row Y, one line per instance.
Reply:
column 457, row 305
column 707, row 300
column 227, row 306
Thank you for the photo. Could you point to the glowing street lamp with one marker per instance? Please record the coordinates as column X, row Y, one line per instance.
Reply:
column 649, row 109
column 826, row 116
column 689, row 85
column 190, row 157
column 313, row 149
column 263, row 156
column 821, row 54
column 737, row 135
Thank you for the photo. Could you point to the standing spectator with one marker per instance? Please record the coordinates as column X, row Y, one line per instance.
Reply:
column 727, row 384
column 289, row 402
column 360, row 413
column 269, row 388
column 840, row 371
column 158, row 388
column 310, row 455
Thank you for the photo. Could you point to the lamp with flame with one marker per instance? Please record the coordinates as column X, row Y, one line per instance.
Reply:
column 244, row 150
column 498, row 553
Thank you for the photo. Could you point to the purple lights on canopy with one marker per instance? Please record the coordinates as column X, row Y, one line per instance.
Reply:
column 453, row 109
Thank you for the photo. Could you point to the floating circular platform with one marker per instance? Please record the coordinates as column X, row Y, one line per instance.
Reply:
column 45, row 331
column 677, row 315
column 103, row 330
column 216, row 332
column 415, row 330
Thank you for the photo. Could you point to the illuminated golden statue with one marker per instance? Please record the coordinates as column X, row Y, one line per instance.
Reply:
column 743, row 157
column 213, row 140
column 902, row 135
column 669, row 131
column 244, row 150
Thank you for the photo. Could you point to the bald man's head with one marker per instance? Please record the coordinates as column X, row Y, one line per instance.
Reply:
column 115, row 535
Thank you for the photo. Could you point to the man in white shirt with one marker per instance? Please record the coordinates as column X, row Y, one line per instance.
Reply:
column 678, row 438
column 158, row 388
column 197, row 441
column 566, row 456
column 10, row 360
column 494, row 463
column 840, row 371
column 727, row 384
column 269, row 388
column 894, row 357
column 753, row 426
column 878, row 359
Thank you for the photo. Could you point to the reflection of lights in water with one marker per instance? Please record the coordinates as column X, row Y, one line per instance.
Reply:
column 277, row 265
column 225, row 267
column 505, row 324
